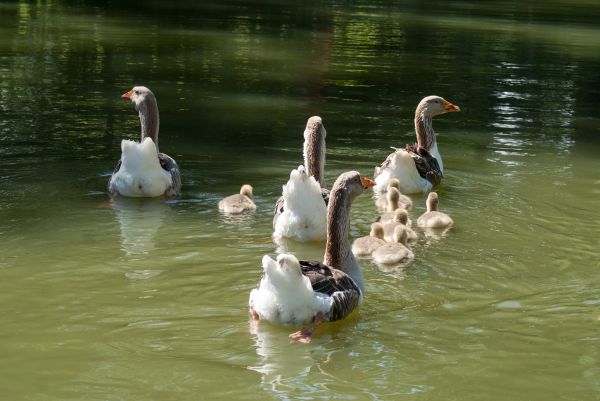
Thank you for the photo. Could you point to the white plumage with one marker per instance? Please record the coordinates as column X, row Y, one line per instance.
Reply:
column 285, row 296
column 305, row 214
column 403, row 168
column 140, row 174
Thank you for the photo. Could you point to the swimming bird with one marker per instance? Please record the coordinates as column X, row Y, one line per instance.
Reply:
column 142, row 171
column 392, row 196
column 403, row 200
column 293, row 292
column 364, row 246
column 301, row 211
column 396, row 252
column 238, row 203
column 432, row 218
column 419, row 167
column 400, row 219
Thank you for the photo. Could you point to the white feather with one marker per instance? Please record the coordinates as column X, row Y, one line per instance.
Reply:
column 140, row 174
column 304, row 217
column 403, row 168
column 285, row 296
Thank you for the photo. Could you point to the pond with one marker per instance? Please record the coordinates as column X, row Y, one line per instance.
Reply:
column 137, row 299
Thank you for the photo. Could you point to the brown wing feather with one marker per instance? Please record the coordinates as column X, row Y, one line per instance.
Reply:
column 168, row 164
column 335, row 283
column 426, row 164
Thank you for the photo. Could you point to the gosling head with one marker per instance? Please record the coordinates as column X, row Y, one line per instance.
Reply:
column 393, row 183
column 432, row 202
column 393, row 198
column 401, row 216
column 400, row 235
column 377, row 230
column 246, row 190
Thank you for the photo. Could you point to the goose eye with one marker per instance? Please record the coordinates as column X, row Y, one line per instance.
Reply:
column 137, row 92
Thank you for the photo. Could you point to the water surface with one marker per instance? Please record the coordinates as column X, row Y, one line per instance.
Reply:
column 146, row 299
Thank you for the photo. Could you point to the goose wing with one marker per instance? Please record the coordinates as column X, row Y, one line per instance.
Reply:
column 426, row 164
column 335, row 283
column 168, row 164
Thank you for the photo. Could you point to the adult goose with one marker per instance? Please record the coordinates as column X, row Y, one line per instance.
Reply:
column 142, row 171
column 293, row 292
column 432, row 218
column 301, row 211
column 419, row 167
column 238, row 203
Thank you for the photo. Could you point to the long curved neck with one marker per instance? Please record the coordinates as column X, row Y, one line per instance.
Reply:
column 314, row 153
column 338, row 252
column 148, row 111
column 424, row 129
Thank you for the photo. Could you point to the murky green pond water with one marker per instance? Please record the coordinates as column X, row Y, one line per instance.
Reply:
column 146, row 299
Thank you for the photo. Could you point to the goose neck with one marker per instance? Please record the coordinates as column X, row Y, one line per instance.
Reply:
column 424, row 129
column 314, row 154
column 338, row 251
column 149, row 121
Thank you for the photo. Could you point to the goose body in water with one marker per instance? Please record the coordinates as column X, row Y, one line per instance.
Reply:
column 301, row 211
column 238, row 203
column 396, row 252
column 364, row 246
column 142, row 171
column 432, row 218
column 293, row 292
column 419, row 167
column 403, row 201
column 400, row 219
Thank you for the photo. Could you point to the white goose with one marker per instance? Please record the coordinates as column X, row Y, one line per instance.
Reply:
column 293, row 292
column 142, row 170
column 418, row 167
column 301, row 211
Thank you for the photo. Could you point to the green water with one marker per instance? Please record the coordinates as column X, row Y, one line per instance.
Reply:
column 146, row 299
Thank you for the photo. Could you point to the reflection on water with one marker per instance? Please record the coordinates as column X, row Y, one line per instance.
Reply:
column 148, row 300
column 139, row 220
column 280, row 364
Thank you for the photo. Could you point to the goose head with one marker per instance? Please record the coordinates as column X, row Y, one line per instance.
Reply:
column 352, row 184
column 314, row 149
column 432, row 106
column 432, row 201
column 140, row 96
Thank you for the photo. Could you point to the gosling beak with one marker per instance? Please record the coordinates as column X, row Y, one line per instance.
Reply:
column 449, row 107
column 367, row 182
column 127, row 95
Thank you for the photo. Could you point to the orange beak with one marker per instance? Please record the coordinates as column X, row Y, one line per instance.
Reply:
column 449, row 107
column 367, row 182
column 127, row 95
